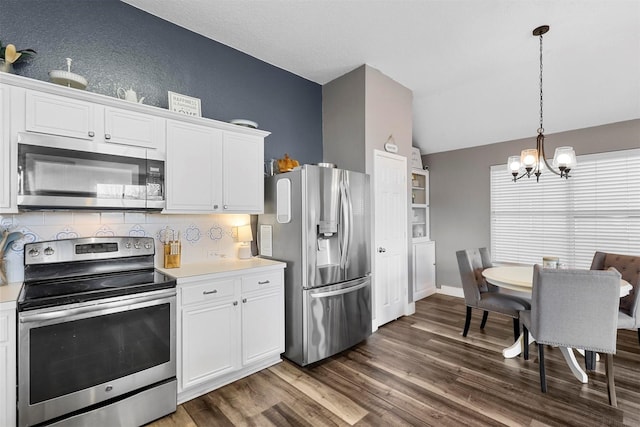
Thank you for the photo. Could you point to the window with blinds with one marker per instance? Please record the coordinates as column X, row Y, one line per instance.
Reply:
column 596, row 209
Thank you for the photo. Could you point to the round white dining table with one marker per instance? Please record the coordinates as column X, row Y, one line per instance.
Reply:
column 520, row 278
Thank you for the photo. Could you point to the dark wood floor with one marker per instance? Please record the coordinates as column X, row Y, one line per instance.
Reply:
column 419, row 370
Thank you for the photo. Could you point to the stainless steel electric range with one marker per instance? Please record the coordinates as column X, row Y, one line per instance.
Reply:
column 96, row 334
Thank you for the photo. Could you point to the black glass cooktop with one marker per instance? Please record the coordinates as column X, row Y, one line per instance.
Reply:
column 49, row 293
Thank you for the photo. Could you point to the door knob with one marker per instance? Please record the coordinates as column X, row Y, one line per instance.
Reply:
column 381, row 249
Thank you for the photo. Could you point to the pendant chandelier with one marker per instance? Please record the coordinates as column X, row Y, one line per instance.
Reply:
column 533, row 161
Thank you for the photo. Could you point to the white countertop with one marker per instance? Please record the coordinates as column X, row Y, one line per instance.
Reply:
column 9, row 294
column 219, row 267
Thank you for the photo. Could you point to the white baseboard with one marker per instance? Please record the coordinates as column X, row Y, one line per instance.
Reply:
column 453, row 291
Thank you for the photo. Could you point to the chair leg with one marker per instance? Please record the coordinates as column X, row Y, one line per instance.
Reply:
column 484, row 319
column 525, row 342
column 638, row 335
column 516, row 328
column 590, row 360
column 611, row 388
column 467, row 322
column 543, row 380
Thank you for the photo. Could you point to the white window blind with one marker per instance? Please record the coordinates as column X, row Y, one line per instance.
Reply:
column 596, row 209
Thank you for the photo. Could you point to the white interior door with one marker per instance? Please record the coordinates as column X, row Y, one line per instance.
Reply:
column 391, row 262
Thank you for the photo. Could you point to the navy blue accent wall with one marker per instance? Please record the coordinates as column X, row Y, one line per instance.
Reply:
column 113, row 45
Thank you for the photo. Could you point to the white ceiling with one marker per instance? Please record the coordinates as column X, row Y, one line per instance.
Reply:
column 473, row 65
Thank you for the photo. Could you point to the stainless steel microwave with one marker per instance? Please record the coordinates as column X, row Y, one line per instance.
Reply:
column 65, row 173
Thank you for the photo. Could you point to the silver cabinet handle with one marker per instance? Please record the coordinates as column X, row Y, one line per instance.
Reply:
column 215, row 291
column 235, row 303
column 263, row 283
column 226, row 207
column 381, row 250
column 215, row 206
column 92, row 133
column 244, row 300
column 107, row 136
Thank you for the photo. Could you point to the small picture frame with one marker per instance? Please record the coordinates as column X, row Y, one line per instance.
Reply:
column 184, row 104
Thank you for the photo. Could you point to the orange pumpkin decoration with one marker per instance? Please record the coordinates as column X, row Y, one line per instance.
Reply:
column 287, row 163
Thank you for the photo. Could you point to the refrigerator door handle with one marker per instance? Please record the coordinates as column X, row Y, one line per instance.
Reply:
column 344, row 247
column 339, row 291
column 349, row 221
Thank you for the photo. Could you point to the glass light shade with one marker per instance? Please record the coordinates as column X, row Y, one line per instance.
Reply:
column 245, row 234
column 513, row 164
column 564, row 156
column 529, row 158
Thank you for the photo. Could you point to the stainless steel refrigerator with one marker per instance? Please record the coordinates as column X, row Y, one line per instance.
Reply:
column 317, row 219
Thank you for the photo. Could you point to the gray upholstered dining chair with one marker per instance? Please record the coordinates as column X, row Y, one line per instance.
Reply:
column 485, row 296
column 574, row 308
column 629, row 268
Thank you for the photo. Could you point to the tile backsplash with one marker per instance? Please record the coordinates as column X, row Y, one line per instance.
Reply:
column 205, row 238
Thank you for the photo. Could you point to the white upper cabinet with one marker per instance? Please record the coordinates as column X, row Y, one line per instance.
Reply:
column 210, row 166
column 243, row 173
column 213, row 171
column 133, row 128
column 58, row 115
column 194, row 165
column 5, row 150
column 62, row 116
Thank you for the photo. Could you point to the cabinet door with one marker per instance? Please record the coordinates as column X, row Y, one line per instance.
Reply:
column 243, row 173
column 194, row 168
column 262, row 326
column 424, row 269
column 5, row 150
column 132, row 128
column 7, row 367
column 420, row 204
column 57, row 115
column 210, row 341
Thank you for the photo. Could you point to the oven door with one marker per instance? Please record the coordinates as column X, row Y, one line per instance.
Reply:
column 75, row 356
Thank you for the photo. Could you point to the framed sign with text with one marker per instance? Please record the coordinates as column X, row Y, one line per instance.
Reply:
column 184, row 104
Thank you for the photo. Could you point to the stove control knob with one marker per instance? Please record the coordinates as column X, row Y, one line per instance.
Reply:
column 127, row 245
column 49, row 251
column 136, row 245
column 34, row 252
column 147, row 245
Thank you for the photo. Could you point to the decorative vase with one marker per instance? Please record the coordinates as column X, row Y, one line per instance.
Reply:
column 6, row 67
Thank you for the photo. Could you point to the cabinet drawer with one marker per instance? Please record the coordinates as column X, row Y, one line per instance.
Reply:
column 260, row 282
column 209, row 291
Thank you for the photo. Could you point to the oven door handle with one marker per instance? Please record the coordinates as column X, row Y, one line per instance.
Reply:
column 94, row 307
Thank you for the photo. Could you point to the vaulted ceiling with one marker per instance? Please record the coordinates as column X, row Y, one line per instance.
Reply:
column 473, row 65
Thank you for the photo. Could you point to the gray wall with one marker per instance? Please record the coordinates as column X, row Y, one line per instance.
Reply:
column 343, row 126
column 116, row 45
column 459, row 186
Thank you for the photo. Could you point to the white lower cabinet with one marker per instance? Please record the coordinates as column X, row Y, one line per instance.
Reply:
column 262, row 317
column 7, row 367
column 210, row 317
column 424, row 269
column 228, row 328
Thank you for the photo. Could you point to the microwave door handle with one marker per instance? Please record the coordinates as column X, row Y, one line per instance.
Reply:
column 20, row 180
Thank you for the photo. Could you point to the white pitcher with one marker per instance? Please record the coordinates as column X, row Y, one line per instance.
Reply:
column 129, row 95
